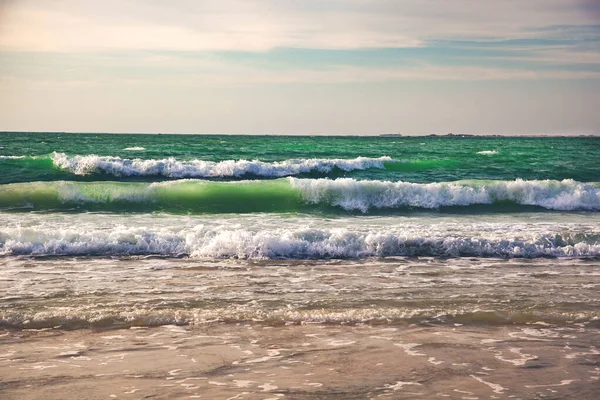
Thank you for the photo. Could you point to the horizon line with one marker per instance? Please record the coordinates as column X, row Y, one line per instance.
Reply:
column 389, row 135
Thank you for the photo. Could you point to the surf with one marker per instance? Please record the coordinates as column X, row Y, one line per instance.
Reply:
column 173, row 168
column 294, row 194
column 224, row 240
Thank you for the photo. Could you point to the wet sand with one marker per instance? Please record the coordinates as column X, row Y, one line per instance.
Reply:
column 256, row 361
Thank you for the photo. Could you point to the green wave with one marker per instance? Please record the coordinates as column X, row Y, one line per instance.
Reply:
column 30, row 162
column 176, row 196
column 292, row 194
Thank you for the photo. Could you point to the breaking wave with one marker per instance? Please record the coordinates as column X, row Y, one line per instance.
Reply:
column 351, row 194
column 209, row 241
column 292, row 194
column 172, row 168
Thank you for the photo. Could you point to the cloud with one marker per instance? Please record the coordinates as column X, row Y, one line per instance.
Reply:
column 261, row 25
column 69, row 43
column 180, row 71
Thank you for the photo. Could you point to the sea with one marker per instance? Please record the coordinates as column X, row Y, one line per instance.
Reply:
column 360, row 245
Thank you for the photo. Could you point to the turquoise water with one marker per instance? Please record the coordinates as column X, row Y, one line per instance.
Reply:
column 212, row 174
column 415, row 159
column 340, row 197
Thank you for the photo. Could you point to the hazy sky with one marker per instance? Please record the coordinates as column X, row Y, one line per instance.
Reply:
column 301, row 66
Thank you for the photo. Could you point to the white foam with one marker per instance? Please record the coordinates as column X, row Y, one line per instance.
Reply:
column 352, row 194
column 494, row 386
column 135, row 148
column 172, row 168
column 562, row 383
column 11, row 157
column 398, row 385
column 516, row 361
column 408, row 348
column 488, row 152
column 288, row 243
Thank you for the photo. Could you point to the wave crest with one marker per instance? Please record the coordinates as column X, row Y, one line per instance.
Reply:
column 351, row 194
column 172, row 168
column 12, row 157
column 292, row 194
column 205, row 241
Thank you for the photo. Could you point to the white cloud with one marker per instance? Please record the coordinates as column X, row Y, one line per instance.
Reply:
column 258, row 25
column 213, row 72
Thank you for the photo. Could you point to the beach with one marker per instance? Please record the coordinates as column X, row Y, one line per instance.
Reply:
column 254, row 361
column 430, row 328
column 235, row 267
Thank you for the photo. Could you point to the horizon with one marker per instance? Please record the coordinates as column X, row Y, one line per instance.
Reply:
column 388, row 135
column 279, row 67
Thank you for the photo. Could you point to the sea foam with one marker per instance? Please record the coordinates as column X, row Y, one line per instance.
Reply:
column 12, row 157
column 352, row 194
column 222, row 241
column 172, row 168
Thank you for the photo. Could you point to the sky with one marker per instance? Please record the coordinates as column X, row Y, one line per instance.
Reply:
column 301, row 66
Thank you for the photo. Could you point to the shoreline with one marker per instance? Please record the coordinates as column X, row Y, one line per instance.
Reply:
column 252, row 361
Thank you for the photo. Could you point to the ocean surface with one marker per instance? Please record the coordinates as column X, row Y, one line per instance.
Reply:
column 122, row 230
column 255, row 267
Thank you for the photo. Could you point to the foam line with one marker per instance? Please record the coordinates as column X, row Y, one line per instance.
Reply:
column 172, row 168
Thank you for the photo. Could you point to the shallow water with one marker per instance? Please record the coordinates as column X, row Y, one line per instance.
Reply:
column 86, row 292
column 339, row 362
